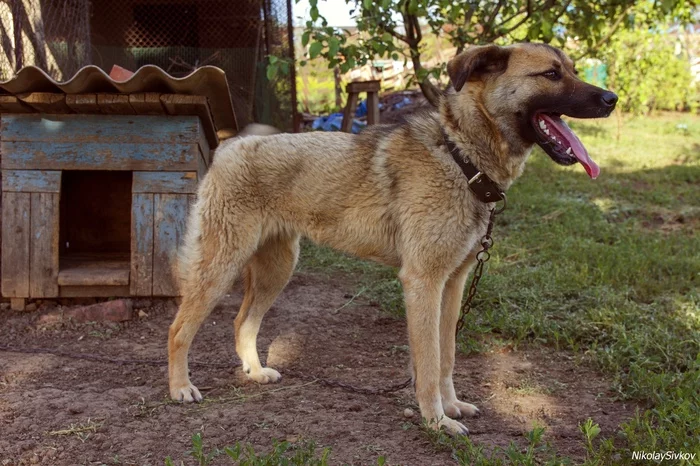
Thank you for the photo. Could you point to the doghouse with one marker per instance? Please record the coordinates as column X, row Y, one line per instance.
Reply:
column 98, row 177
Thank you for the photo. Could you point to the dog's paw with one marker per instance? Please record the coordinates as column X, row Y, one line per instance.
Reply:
column 185, row 393
column 265, row 375
column 450, row 426
column 457, row 409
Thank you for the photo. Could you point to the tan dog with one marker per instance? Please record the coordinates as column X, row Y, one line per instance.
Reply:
column 393, row 194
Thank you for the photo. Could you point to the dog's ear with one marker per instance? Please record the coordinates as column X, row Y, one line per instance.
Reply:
column 476, row 62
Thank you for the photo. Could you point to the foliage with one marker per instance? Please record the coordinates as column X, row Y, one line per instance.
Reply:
column 647, row 74
column 394, row 28
column 607, row 269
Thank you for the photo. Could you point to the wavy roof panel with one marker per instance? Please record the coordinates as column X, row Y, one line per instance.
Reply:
column 208, row 81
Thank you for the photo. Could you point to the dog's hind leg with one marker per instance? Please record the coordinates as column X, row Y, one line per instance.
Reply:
column 451, row 303
column 266, row 276
column 214, row 259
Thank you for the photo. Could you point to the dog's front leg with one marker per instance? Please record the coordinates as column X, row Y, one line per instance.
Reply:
column 451, row 303
column 423, row 294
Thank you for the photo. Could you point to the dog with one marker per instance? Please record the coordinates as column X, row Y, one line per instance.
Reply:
column 396, row 194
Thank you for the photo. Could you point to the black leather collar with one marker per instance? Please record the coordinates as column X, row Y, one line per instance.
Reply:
column 483, row 187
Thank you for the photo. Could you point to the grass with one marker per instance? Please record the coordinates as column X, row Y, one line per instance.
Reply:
column 609, row 269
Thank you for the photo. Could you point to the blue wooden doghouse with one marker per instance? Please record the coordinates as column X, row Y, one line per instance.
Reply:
column 98, row 177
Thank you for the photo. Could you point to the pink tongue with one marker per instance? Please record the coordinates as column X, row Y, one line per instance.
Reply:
column 574, row 142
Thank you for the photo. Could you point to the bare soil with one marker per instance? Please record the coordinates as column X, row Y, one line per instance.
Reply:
column 59, row 410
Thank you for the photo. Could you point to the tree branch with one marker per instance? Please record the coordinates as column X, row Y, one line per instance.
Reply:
column 610, row 33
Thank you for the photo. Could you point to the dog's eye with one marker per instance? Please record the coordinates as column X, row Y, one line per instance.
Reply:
column 552, row 75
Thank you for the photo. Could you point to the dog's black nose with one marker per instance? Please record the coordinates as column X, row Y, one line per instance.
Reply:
column 609, row 98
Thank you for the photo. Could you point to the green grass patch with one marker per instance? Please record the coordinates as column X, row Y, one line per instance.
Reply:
column 608, row 269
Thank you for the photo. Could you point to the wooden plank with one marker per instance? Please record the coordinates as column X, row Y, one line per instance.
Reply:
column 178, row 104
column 109, row 129
column 202, row 165
column 165, row 182
column 349, row 113
column 93, row 291
column 204, row 147
column 114, row 104
column 83, row 103
column 33, row 181
column 46, row 102
column 96, row 273
column 363, row 86
column 97, row 156
column 146, row 103
column 11, row 104
column 43, row 257
column 17, row 304
column 141, row 245
column 170, row 216
column 372, row 108
column 15, row 244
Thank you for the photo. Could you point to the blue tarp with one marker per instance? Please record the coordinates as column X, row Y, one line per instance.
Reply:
column 333, row 121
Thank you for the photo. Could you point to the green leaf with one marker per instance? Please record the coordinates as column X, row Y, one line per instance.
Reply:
column 273, row 59
column 305, row 38
column 333, row 46
column 386, row 37
column 315, row 49
column 313, row 13
column 271, row 72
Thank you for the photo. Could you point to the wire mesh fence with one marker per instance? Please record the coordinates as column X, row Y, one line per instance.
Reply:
column 61, row 36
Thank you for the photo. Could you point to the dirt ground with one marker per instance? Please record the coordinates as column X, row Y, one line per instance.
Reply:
column 126, row 418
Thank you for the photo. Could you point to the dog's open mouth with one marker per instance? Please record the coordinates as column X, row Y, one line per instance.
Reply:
column 561, row 144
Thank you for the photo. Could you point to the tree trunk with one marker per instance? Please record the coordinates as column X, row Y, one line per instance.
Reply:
column 430, row 90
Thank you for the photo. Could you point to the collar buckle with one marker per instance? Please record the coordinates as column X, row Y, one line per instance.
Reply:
column 474, row 178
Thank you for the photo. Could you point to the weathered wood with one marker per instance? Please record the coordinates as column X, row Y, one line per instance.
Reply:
column 349, row 113
column 97, row 156
column 202, row 165
column 17, row 304
column 141, row 245
column 99, row 272
column 15, row 244
column 147, row 103
column 43, row 257
column 372, row 108
column 46, row 102
column 114, row 104
column 108, row 129
column 165, row 182
column 204, row 147
column 170, row 216
column 364, row 86
column 31, row 181
column 93, row 291
column 83, row 103
column 178, row 104
column 11, row 104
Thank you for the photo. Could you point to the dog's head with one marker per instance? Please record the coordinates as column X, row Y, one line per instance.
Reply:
column 529, row 87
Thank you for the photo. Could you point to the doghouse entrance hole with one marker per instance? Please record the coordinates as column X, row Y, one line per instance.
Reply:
column 95, row 227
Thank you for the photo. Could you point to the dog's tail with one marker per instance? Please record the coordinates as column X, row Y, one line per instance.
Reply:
column 258, row 129
column 188, row 253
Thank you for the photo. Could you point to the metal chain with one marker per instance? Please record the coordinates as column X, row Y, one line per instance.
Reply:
column 161, row 362
column 482, row 257
column 353, row 388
